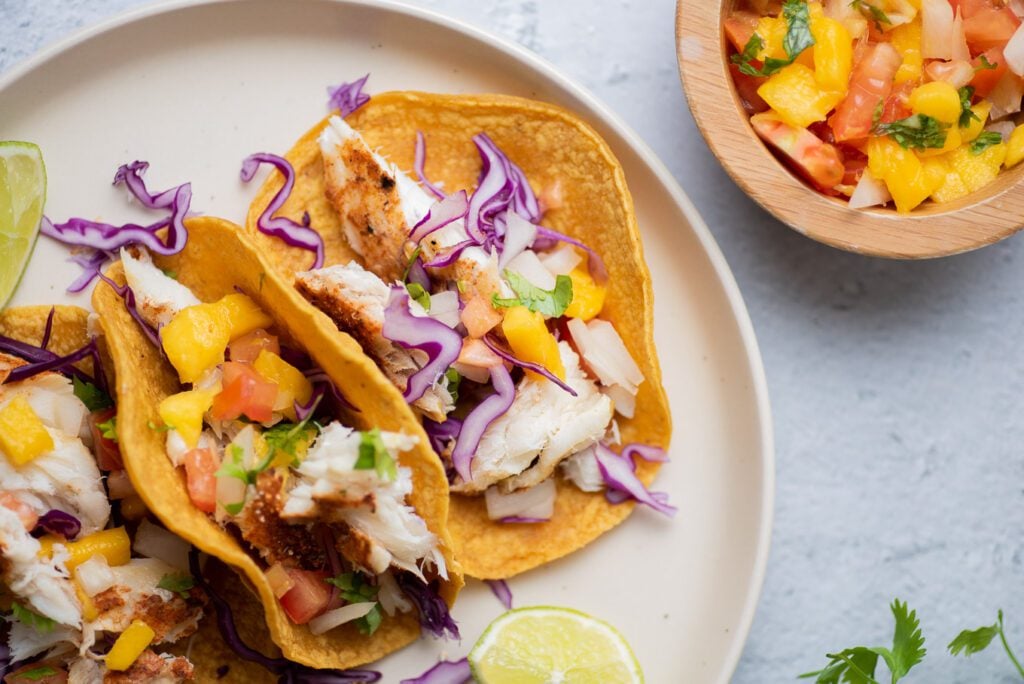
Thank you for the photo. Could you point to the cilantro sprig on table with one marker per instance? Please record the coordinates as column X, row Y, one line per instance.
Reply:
column 797, row 39
column 857, row 665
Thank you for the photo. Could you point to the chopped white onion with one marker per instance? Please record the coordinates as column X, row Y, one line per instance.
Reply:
column 582, row 470
column 899, row 12
column 118, row 485
column 94, row 575
column 528, row 265
column 279, row 579
column 176, row 447
column 870, row 192
column 958, row 47
column 936, row 29
column 154, row 541
column 519, row 234
column 230, row 490
column 624, row 400
column 392, row 598
column 1006, row 96
column 1013, row 52
column 444, row 307
column 536, row 502
column 340, row 616
column 605, row 353
column 845, row 14
column 561, row 260
column 956, row 73
column 1003, row 128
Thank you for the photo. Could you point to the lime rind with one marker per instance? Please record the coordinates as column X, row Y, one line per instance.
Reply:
column 22, row 198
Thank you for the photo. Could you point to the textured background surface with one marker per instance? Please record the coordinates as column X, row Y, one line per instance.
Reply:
column 895, row 386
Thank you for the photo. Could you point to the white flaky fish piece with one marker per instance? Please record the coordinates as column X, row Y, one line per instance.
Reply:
column 355, row 299
column 379, row 206
column 157, row 295
column 42, row 584
column 149, row 667
column 544, row 426
column 330, row 488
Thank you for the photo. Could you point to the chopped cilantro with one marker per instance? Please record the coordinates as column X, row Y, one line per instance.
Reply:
column 797, row 39
column 412, row 260
column 355, row 589
column 551, row 303
column 234, row 508
column 32, row 619
column 750, row 52
column 454, row 380
column 421, row 296
column 876, row 13
column 971, row 641
column 374, row 454
column 92, row 396
column 985, row 64
column 984, row 141
column 918, row 131
column 159, row 428
column 178, row 584
column 967, row 114
column 36, row 673
column 369, row 623
column 108, row 429
column 233, row 466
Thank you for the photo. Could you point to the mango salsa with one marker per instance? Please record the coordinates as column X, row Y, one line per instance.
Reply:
column 184, row 412
column 906, row 38
column 196, row 339
column 292, row 385
column 129, row 646
column 23, row 437
column 1015, row 147
column 531, row 341
column 244, row 315
column 587, row 296
column 833, row 55
column 938, row 100
column 113, row 544
column 794, row 94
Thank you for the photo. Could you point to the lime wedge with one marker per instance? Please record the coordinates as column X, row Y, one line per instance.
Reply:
column 22, row 196
column 545, row 644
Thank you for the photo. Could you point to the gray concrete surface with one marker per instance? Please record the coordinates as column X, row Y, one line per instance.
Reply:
column 896, row 387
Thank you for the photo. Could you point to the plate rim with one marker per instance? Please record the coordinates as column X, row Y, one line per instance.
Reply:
column 612, row 120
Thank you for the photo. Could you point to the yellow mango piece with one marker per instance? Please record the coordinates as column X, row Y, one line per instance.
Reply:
column 938, row 100
column 129, row 646
column 953, row 140
column 833, row 54
column 1015, row 147
column 89, row 610
column 794, row 94
column 184, row 412
column 196, row 338
column 772, row 31
column 952, row 188
column 883, row 153
column 292, row 385
column 906, row 38
column 23, row 437
column 905, row 176
column 113, row 544
column 587, row 295
column 244, row 315
column 978, row 170
column 976, row 126
column 530, row 340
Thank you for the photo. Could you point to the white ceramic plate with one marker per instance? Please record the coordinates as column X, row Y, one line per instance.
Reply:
column 195, row 87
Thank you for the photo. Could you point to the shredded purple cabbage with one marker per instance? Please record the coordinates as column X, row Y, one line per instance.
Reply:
column 42, row 360
column 128, row 295
column 102, row 239
column 48, row 330
column 445, row 672
column 320, row 379
column 440, row 343
column 434, row 615
column 304, row 411
column 528, row 365
column 281, row 227
column 523, row 519
column 501, row 591
column 447, row 210
column 594, row 261
column 447, row 257
column 59, row 523
column 502, row 187
column 347, row 97
column 480, row 418
column 292, row 673
column 417, row 274
column 419, row 164
column 622, row 484
column 441, row 435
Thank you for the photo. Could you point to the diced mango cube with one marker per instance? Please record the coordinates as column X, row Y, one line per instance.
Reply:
column 196, row 339
column 1015, row 147
column 906, row 38
column 977, row 125
column 978, row 170
column 833, row 54
column 292, row 385
column 129, row 646
column 794, row 94
column 531, row 341
column 772, row 31
column 23, row 436
column 184, row 413
column 907, row 179
column 587, row 296
column 244, row 315
column 938, row 100
column 113, row 544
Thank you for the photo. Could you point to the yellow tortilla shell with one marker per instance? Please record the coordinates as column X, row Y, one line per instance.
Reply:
column 549, row 144
column 216, row 260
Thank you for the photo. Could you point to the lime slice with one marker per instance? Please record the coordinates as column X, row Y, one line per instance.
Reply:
column 22, row 195
column 546, row 645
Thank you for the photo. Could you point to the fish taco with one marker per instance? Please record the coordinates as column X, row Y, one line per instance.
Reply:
column 255, row 432
column 502, row 289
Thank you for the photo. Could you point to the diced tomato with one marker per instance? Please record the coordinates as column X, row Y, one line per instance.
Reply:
column 308, row 598
column 817, row 161
column 108, row 455
column 245, row 392
column 740, row 27
column 201, row 468
column 985, row 79
column 897, row 105
column 33, row 673
column 28, row 517
column 854, row 167
column 247, row 347
column 870, row 83
column 746, row 88
column 987, row 25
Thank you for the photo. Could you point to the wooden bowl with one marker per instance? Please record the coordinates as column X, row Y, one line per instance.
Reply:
column 931, row 230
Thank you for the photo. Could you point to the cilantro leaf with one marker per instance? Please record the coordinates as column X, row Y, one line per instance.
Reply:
column 877, row 15
column 421, row 296
column 287, row 438
column 159, row 428
column 30, row 618
column 37, row 673
column 178, row 584
column 967, row 114
column 971, row 641
column 985, row 64
column 750, row 52
column 89, row 394
column 234, row 508
column 232, row 465
column 797, row 39
column 984, row 141
column 374, row 454
column 108, row 429
column 918, row 131
column 454, row 380
column 551, row 303
column 852, row 665
column 356, row 589
column 369, row 623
